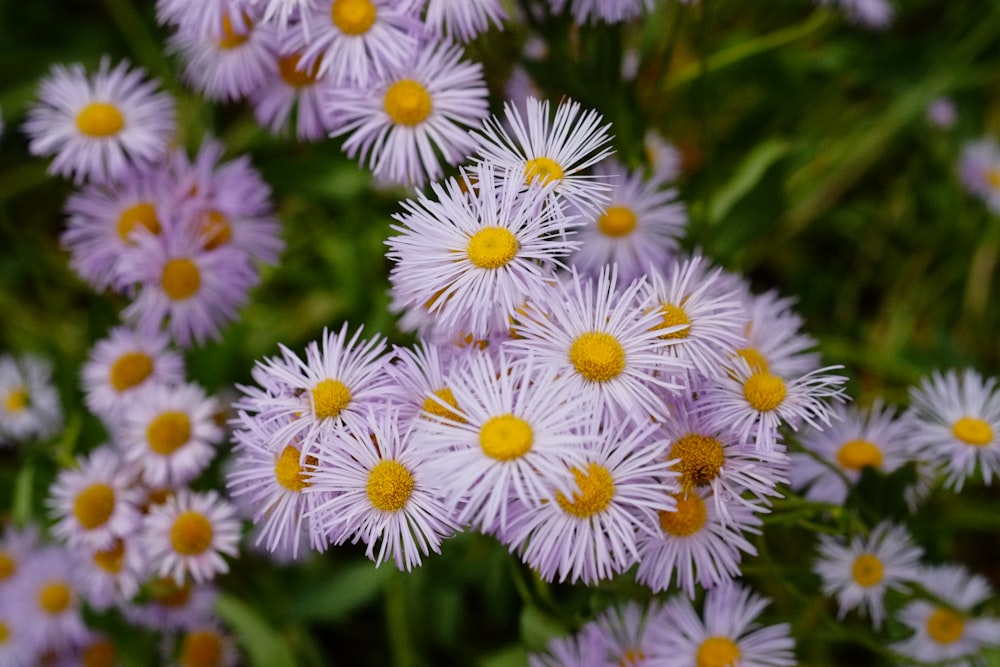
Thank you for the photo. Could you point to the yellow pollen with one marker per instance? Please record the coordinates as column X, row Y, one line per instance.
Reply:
column 329, row 397
column 288, row 67
column 54, row 597
column 717, row 652
column 754, row 359
column 763, row 391
column 17, row 400
column 407, row 102
column 972, row 431
column 433, row 407
column 4, row 633
column 100, row 653
column 158, row 497
column 93, row 506
column 215, row 229
column 390, row 485
column 597, row 356
column 168, row 432
column 191, row 534
column 353, row 17
column 142, row 214
column 506, row 437
column 689, row 518
column 230, row 38
column 856, row 454
column 673, row 316
column 110, row 560
column 8, row 565
column 867, row 570
column 181, row 278
column 130, row 369
column 492, row 247
column 701, row 459
column 597, row 489
column 288, row 471
column 201, row 648
column 167, row 593
column 993, row 178
column 617, row 221
column 100, row 119
column 543, row 169
column 632, row 658
column 945, row 626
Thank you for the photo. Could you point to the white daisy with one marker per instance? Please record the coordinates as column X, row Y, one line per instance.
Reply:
column 206, row 645
column 462, row 20
column 112, row 575
column 48, row 591
column 29, row 402
column 774, row 340
column 291, row 92
column 172, row 606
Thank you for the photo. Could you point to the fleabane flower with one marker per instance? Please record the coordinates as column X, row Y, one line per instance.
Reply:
column 873, row 14
column 188, row 535
column 204, row 18
column 16, row 547
column 949, row 630
column 626, row 628
column 587, row 648
column 293, row 95
column 957, row 425
column 96, row 502
column 979, row 170
column 550, row 149
column 280, row 13
column 664, row 158
column 377, row 487
column 112, row 575
column 774, row 339
column 99, row 127
column 470, row 259
column 48, row 591
column 29, row 402
column 462, row 20
column 404, row 125
column 609, row 11
column 173, row 606
column 423, row 376
column 860, row 573
column 206, row 644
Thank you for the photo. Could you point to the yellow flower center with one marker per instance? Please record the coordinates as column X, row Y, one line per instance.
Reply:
column 993, row 178
column 215, row 229
column 230, row 38
column 390, row 486
column 329, row 398
column 435, row 408
column 717, row 652
column 617, row 221
column 110, row 560
column 597, row 356
column 17, row 400
column 100, row 119
column 100, row 653
column 93, row 506
column 201, row 648
column 167, row 432
column 130, row 369
column 632, row 658
column 191, row 534
column 673, row 316
column 166, row 592
column 867, row 570
column 945, row 626
column 506, row 437
column 545, row 170
column 856, row 454
column 972, row 431
column 289, row 473
column 689, row 517
column 763, row 391
column 353, row 17
column 54, row 597
column 754, row 359
column 492, row 247
column 407, row 102
column 181, row 278
column 142, row 214
column 701, row 459
column 8, row 565
column 4, row 633
column 597, row 489
column 288, row 67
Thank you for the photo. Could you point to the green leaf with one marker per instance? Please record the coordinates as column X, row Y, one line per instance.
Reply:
column 537, row 627
column 512, row 656
column 354, row 586
column 264, row 645
column 750, row 172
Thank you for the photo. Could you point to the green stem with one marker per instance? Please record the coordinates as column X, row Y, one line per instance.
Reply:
column 398, row 623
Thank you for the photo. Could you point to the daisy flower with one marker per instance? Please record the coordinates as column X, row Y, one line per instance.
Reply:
column 727, row 633
column 281, row 13
column 189, row 289
column 587, row 648
column 609, row 11
column 123, row 364
column 947, row 629
column 774, row 341
column 507, row 436
column 48, row 591
column 423, row 375
column 860, row 573
column 290, row 87
column 472, row 258
column 96, row 502
column 942, row 113
column 590, row 532
column 376, row 487
column 173, row 606
column 627, row 631
column 169, row 433
column 204, row 17
column 694, row 544
column 957, row 425
column 99, row 127
column 16, row 548
column 29, row 402
column 206, row 645
column 979, row 170
column 876, row 437
column 112, row 575
column 604, row 342
column 462, row 20
column 189, row 534
column 663, row 157
column 638, row 229
column 417, row 115
column 551, row 150
column 18, row 648
column 356, row 41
